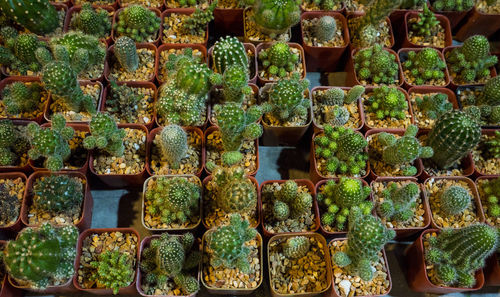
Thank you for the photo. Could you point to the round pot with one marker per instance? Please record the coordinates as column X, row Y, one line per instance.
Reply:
column 78, row 8
column 479, row 23
column 185, row 11
column 255, row 90
column 166, row 47
column 358, row 14
column 248, row 47
column 26, row 169
column 445, row 24
column 229, row 21
column 109, row 60
column 12, row 79
column 262, row 81
column 159, row 32
column 17, row 225
column 403, row 56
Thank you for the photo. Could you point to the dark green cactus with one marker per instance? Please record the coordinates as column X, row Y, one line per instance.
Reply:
column 13, row 143
column 324, row 28
column 491, row 92
column 290, row 203
column 113, row 270
column 176, row 106
column 138, row 23
column 92, row 21
column 229, row 51
column 57, row 194
column 235, row 84
column 296, row 247
column 387, row 102
column 399, row 202
column 125, row 52
column 20, row 97
column 434, row 106
column 196, row 23
column 452, row 5
column 376, row 65
column 173, row 145
column 426, row 22
column 412, row 4
column 105, row 135
column 122, row 101
column 18, row 52
column 275, row 16
column 40, row 17
column 278, row 59
column 490, row 148
column 424, row 66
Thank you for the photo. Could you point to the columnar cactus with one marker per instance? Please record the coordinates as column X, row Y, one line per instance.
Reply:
column 51, row 143
column 452, row 5
column 113, row 270
column 425, row 66
column 376, row 65
column 91, row 21
column 229, row 51
column 454, row 200
column 426, row 22
column 290, row 203
column 235, row 84
column 138, row 23
column 399, row 202
column 324, row 28
column 42, row 256
column 286, row 98
column 278, row 59
column 491, row 189
column 275, row 16
column 296, row 247
column 19, row 97
column 125, row 52
column 387, row 102
column 105, row 135
column 40, row 17
column 196, row 23
column 173, row 145
column 434, row 106
column 18, row 52
column 57, row 193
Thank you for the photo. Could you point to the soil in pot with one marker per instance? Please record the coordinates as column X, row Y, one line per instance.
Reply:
column 163, row 59
column 18, row 146
column 125, row 25
column 216, row 97
column 322, row 111
column 145, row 3
column 294, row 57
column 488, row 188
column 309, row 38
column 11, row 197
column 37, row 95
column 144, row 72
column 485, row 155
column 484, row 7
column 105, row 27
column 434, row 35
column 383, row 33
column 201, row 4
column 252, row 34
column 386, row 122
column 229, row 4
column 176, row 28
column 311, row 5
column 57, row 104
column 130, row 104
column 424, row 108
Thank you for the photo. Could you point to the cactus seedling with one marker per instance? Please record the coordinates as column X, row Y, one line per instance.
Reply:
column 399, row 202
column 196, row 23
column 279, row 59
column 173, row 145
column 122, row 101
column 92, row 21
column 138, row 23
column 12, row 143
column 19, row 97
column 425, row 67
column 324, row 28
column 331, row 103
column 57, row 194
column 125, row 52
column 105, row 135
column 296, row 247
column 323, row 4
column 426, row 23
column 490, row 148
column 290, row 203
column 452, row 5
column 113, row 270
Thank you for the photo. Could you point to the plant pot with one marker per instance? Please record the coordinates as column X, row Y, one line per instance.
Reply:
column 209, row 131
column 321, row 240
column 78, row 8
column 176, row 46
column 229, row 21
column 479, row 23
column 252, row 68
column 17, row 225
column 155, row 42
column 262, row 81
column 12, row 79
column 455, row 17
column 6, row 289
column 403, row 57
column 397, row 18
column 492, row 271
column 87, row 203
column 26, row 168
column 122, row 180
column 314, row 210
column 184, row 11
column 255, row 90
column 110, row 60
column 416, row 274
column 150, row 144
column 324, row 58
column 145, row 244
column 247, row 26
column 352, row 78
column 130, row 289
column 357, row 14
column 171, row 230
column 477, row 170
column 445, row 24
column 233, row 291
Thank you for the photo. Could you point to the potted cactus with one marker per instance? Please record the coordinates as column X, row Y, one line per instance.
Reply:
column 90, row 20
column 12, row 193
column 112, row 3
column 280, row 60
column 154, row 3
column 165, row 51
column 171, row 202
column 387, row 108
column 429, row 104
column 23, row 99
column 186, row 4
column 15, row 145
column 20, row 62
column 427, row 29
column 236, row 250
column 375, row 66
column 299, row 264
column 423, row 67
column 129, row 61
column 486, row 98
column 488, row 189
column 454, row 10
column 487, row 154
column 322, row 5
column 137, row 22
column 6, row 289
column 39, row 17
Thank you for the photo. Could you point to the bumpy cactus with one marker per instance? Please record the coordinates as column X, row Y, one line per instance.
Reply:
column 453, row 136
column 491, row 189
column 278, row 59
column 125, row 52
column 387, row 102
column 286, row 98
column 227, row 244
column 173, row 145
column 113, row 270
column 196, row 23
column 452, row 5
column 122, row 101
column 454, row 200
column 457, row 253
column 51, row 143
column 366, row 237
column 275, row 16
column 426, row 22
column 175, row 106
column 290, row 203
column 12, row 143
column 331, row 104
column 19, row 97
column 138, row 23
column 229, row 51
column 92, row 21
column 40, row 17
column 425, row 66
column 434, row 106
column 175, row 199
column 324, row 28
column 57, row 193
column 491, row 92
column 171, row 257
column 18, row 52
column 399, row 202
column 376, row 65
column 105, row 135
column 296, row 247
column 235, row 84
column 42, row 256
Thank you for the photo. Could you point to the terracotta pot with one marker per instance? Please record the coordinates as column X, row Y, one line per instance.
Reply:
column 78, row 8
column 315, row 210
column 322, row 229
column 35, row 164
column 159, row 32
column 479, row 23
column 477, row 171
column 59, row 7
column 17, row 225
column 253, row 69
column 403, row 57
column 12, row 79
column 87, row 203
column 255, row 90
column 266, row 45
column 166, row 47
column 324, row 58
column 472, row 186
column 384, row 256
column 416, row 273
column 233, row 291
column 185, row 11
column 248, row 26
column 122, row 180
column 258, row 211
column 455, row 17
column 492, row 271
column 211, row 130
column 145, row 244
column 358, row 14
column 113, row 4
column 26, row 169
column 130, row 289
column 445, row 24
column 328, row 262
column 229, row 21
column 110, row 58
column 151, row 137
column 352, row 79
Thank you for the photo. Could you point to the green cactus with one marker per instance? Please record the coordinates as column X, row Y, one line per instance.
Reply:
column 105, row 135
column 227, row 244
column 20, row 97
column 235, row 84
column 491, row 92
column 18, row 52
column 9, row 209
column 122, row 101
column 197, row 22
column 296, row 247
column 376, row 65
column 491, row 189
column 327, row 5
column 275, row 17
column 399, row 202
column 42, row 256
column 426, row 22
column 113, row 270
column 229, row 51
column 434, row 106
column 290, row 203
column 365, row 239
column 51, row 143
column 13, row 143
column 125, row 52
column 278, row 59
column 92, row 21
column 40, row 17
column 324, row 28
column 454, row 200
column 175, row 199
column 457, row 253
column 138, row 23
column 453, row 136
column 175, row 106
column 387, row 102
column 173, row 145
column 425, row 66
column 57, row 193
column 452, row 5
column 490, row 148
column 336, row 96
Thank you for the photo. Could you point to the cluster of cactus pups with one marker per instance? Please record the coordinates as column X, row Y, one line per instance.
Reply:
column 57, row 193
column 113, row 270
column 488, row 102
column 426, row 24
column 452, row 5
column 279, row 60
column 376, row 65
column 332, row 101
column 491, row 189
column 425, row 66
column 290, row 203
column 138, row 23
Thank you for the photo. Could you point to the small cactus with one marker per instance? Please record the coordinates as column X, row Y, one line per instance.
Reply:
column 105, row 135
column 290, row 203
column 454, row 200
column 278, row 59
column 138, row 23
column 399, row 202
column 173, row 145
column 324, row 28
column 125, row 52
column 296, row 247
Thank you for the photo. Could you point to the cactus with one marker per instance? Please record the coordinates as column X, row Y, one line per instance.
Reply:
column 18, row 52
column 290, row 203
column 425, row 66
column 399, row 202
column 125, row 52
column 324, row 28
column 175, row 106
column 51, row 143
column 189, row 3
column 122, row 101
column 92, row 21
column 19, row 97
column 376, row 65
column 235, row 84
column 9, row 207
column 331, row 104
column 426, row 22
column 296, row 247
column 454, row 200
column 229, row 51
column 57, row 194
column 196, row 23
column 434, row 106
column 471, row 61
column 491, row 92
column 40, row 17
column 227, row 244
column 41, row 256
column 113, row 270
column 366, row 237
column 491, row 189
column 278, row 59
column 171, row 257
column 275, row 17
column 12, row 143
column 453, row 136
column 490, row 148
column 173, row 145
column 138, row 23
column 324, row 4
column 105, row 135
column 457, row 253
column 452, row 5
column 387, row 102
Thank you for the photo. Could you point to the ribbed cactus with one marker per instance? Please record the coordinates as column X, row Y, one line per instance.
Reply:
column 425, row 66
column 452, row 5
column 20, row 97
column 235, row 84
column 278, row 59
column 399, row 202
column 453, row 136
column 138, row 23
column 105, row 135
column 454, row 200
column 376, row 65
column 229, row 51
column 275, row 16
column 57, row 193
column 434, row 106
column 491, row 92
column 173, row 145
column 125, row 52
column 92, row 21
column 290, row 203
column 426, row 21
column 324, row 28
column 286, row 98
column 296, row 247
column 40, row 17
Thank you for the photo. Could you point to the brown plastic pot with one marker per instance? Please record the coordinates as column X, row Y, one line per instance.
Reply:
column 352, row 78
column 176, row 46
column 110, row 58
column 255, row 90
column 492, row 271
column 489, row 132
column 78, row 8
column 185, row 11
column 26, row 169
column 229, row 21
column 327, row 260
column 479, row 23
column 265, row 45
column 87, row 203
column 159, row 32
column 12, row 79
column 403, row 56
column 416, row 273
column 214, row 128
column 17, row 225
column 472, row 186
column 324, row 58
column 248, row 47
column 233, row 291
column 357, row 14
column 301, row 182
column 145, row 243
column 247, row 27
column 257, row 206
column 455, row 17
column 128, row 290
column 122, row 180
column 151, row 137
column 445, row 24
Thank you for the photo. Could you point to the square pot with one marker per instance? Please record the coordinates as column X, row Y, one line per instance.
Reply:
column 176, row 46
column 110, row 60
column 357, row 14
column 17, row 225
column 444, row 22
column 184, row 11
column 24, row 79
column 229, row 21
column 478, row 171
column 253, row 68
column 455, row 17
column 403, row 57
